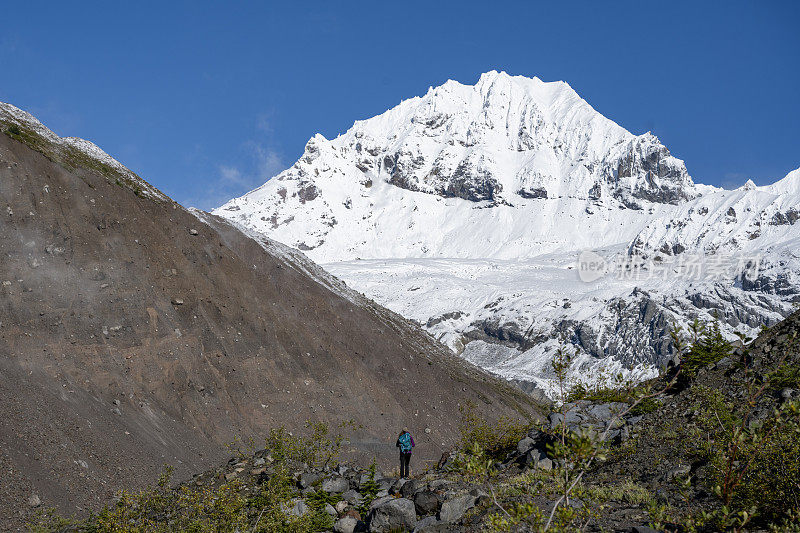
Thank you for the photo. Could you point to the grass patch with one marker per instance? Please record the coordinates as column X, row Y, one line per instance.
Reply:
column 627, row 492
column 72, row 159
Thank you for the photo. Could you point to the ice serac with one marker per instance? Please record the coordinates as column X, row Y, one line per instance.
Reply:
column 466, row 208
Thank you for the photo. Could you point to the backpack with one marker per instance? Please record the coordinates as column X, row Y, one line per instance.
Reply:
column 405, row 442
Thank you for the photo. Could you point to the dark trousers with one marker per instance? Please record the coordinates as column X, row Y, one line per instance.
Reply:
column 405, row 458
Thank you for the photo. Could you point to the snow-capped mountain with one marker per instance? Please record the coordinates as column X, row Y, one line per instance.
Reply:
column 467, row 208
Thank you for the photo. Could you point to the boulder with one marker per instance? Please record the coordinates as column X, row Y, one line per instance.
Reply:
column 377, row 502
column 385, row 484
column 537, row 435
column 335, row 484
column 439, row 484
column 348, row 524
column 345, row 525
column 480, row 495
column 398, row 513
column 352, row 513
column 426, row 502
column 452, row 510
column 411, row 487
column 524, row 445
column 430, row 524
column 397, row 486
column 631, row 420
column 538, row 459
column 352, row 497
column 295, row 507
column 308, row 479
column 585, row 415
column 679, row 471
column 602, row 413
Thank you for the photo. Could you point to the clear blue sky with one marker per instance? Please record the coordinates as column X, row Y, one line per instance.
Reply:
column 207, row 100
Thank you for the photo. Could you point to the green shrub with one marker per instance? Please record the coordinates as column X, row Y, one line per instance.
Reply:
column 162, row 509
column 494, row 439
column 369, row 489
column 772, row 485
column 755, row 465
column 708, row 347
column 47, row 520
column 597, row 393
column 645, row 406
column 319, row 448
column 785, row 376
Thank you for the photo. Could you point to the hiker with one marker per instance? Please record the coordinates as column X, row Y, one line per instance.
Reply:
column 405, row 442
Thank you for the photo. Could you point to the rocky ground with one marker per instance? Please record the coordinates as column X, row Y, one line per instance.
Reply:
column 656, row 467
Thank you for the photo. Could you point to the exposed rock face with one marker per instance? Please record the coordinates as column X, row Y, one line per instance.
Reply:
column 783, row 218
column 470, row 180
column 134, row 332
column 507, row 333
column 634, row 330
column 470, row 183
column 533, row 192
column 780, row 283
column 656, row 176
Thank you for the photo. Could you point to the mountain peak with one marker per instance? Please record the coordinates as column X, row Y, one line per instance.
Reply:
column 788, row 185
column 491, row 75
column 505, row 142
